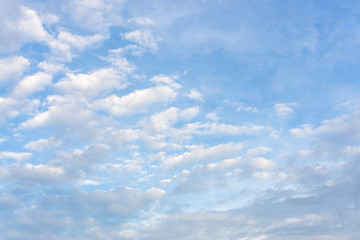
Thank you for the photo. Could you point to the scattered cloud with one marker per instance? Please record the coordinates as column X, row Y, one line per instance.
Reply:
column 11, row 68
column 102, row 136
column 283, row 110
column 19, row 24
column 19, row 156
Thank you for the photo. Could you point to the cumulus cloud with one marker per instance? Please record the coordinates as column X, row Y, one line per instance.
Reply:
column 101, row 81
column 11, row 68
column 95, row 144
column 65, row 45
column 305, row 131
column 19, row 156
column 43, row 144
column 19, row 24
column 85, row 157
column 32, row 84
column 33, row 172
column 63, row 111
column 11, row 107
column 262, row 163
column 196, row 95
column 137, row 101
column 165, row 119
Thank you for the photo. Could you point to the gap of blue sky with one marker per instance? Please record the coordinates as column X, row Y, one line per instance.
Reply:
column 212, row 119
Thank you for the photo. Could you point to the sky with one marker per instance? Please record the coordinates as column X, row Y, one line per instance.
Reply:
column 191, row 119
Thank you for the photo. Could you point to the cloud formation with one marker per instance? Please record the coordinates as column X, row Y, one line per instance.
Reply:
column 184, row 120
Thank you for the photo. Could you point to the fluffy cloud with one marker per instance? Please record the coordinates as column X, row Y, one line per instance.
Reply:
column 11, row 68
column 96, row 15
column 11, row 107
column 19, row 24
column 43, row 144
column 262, row 163
column 164, row 120
column 96, row 144
column 63, row 111
column 19, row 156
column 137, row 101
column 65, row 45
column 305, row 131
column 196, row 95
column 33, row 172
column 32, row 84
column 84, row 158
column 101, row 81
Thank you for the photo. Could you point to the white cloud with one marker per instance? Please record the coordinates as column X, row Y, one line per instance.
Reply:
column 32, row 84
column 196, row 95
column 261, row 175
column 11, row 68
column 213, row 116
column 188, row 113
column 19, row 156
column 65, row 45
column 251, row 109
column 137, row 101
column 262, row 163
column 11, row 108
column 52, row 67
column 77, row 41
column 222, row 128
column 89, row 182
column 97, row 15
column 257, row 151
column 142, row 21
column 43, row 144
column 166, row 80
column 117, row 59
column 351, row 150
column 34, row 172
column 164, row 120
column 305, row 152
column 224, row 164
column 18, row 24
column 49, row 19
column 283, row 110
column 63, row 111
column 303, row 132
column 220, row 151
column 101, row 81
column 143, row 38
column 85, row 157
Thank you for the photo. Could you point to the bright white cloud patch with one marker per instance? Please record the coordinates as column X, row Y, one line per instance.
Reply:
column 19, row 156
column 179, row 120
column 93, row 84
column 11, row 68
column 137, row 101
column 32, row 84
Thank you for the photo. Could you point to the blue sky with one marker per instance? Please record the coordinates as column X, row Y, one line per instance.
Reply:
column 212, row 119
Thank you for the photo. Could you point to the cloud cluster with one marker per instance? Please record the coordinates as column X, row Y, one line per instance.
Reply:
column 151, row 120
